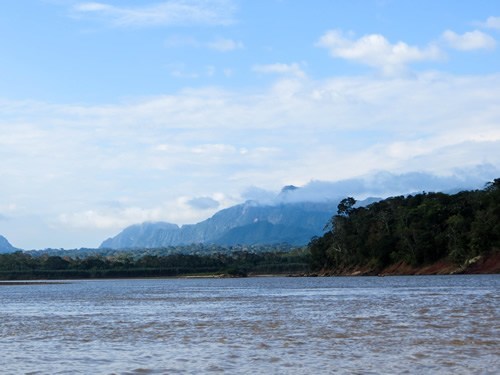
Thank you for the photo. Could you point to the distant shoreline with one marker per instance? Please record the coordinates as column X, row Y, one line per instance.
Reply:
column 32, row 282
column 483, row 264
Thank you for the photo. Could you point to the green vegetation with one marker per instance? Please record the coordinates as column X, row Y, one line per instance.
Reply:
column 417, row 230
column 19, row 265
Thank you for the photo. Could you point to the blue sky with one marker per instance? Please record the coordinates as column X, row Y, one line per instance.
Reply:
column 117, row 112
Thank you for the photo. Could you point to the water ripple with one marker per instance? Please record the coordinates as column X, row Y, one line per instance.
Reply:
column 253, row 326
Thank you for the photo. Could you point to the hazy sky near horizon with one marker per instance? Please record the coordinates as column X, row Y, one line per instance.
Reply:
column 119, row 112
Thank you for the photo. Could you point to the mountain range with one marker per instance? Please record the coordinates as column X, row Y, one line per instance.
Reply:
column 293, row 216
column 249, row 223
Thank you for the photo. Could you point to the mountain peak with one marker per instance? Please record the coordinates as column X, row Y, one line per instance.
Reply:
column 5, row 246
column 288, row 188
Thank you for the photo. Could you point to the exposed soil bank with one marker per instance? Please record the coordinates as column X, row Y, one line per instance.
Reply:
column 483, row 264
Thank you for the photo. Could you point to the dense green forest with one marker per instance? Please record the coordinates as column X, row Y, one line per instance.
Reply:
column 191, row 249
column 417, row 229
column 19, row 265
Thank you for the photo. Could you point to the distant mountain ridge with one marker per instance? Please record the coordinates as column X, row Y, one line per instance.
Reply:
column 249, row 223
column 5, row 246
column 295, row 214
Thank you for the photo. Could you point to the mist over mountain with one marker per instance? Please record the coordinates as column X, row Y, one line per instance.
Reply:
column 295, row 214
column 5, row 246
column 381, row 184
column 263, row 232
column 247, row 223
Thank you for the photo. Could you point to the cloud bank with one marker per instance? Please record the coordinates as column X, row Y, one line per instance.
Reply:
column 159, row 155
column 293, row 69
column 166, row 13
column 492, row 23
column 218, row 44
column 203, row 203
column 385, row 184
column 376, row 51
column 468, row 41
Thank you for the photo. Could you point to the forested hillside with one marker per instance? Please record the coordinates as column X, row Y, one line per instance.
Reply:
column 416, row 230
column 249, row 223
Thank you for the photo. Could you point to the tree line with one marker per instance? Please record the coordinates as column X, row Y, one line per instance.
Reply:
column 21, row 265
column 416, row 229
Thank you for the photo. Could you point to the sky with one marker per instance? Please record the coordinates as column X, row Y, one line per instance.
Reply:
column 118, row 112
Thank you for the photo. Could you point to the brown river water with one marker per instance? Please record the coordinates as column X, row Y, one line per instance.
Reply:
column 274, row 325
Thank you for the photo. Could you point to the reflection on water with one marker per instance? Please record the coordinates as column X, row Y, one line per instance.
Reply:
column 425, row 324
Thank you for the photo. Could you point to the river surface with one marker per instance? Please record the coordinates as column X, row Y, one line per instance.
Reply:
column 360, row 325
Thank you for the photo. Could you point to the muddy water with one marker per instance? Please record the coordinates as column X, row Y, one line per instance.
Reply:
column 365, row 325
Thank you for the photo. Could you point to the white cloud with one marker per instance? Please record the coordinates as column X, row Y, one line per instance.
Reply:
column 116, row 219
column 203, row 203
column 260, row 195
column 157, row 154
column 471, row 40
column 225, row 45
column 383, row 184
column 166, row 13
column 179, row 70
column 182, row 41
column 492, row 23
column 214, row 149
column 91, row 7
column 110, row 220
column 219, row 44
column 183, row 209
column 379, row 184
column 376, row 51
column 293, row 69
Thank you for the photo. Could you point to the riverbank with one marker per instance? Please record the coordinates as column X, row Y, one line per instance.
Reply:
column 483, row 264
column 31, row 282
